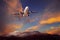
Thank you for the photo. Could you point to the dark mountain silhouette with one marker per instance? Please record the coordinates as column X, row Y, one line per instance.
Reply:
column 35, row 35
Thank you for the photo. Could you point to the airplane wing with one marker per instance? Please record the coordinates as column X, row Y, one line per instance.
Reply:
column 18, row 15
column 33, row 12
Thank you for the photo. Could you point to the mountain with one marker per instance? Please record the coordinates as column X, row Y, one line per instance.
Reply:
column 23, row 34
column 33, row 35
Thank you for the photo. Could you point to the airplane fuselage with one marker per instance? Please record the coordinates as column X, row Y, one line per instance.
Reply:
column 26, row 11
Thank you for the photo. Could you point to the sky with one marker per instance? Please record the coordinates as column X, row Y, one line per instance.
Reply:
column 44, row 7
column 46, row 19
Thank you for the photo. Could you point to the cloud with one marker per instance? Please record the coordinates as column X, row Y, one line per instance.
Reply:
column 53, row 30
column 29, row 20
column 51, row 13
column 12, row 27
column 13, row 6
column 7, row 7
column 33, row 28
column 51, row 20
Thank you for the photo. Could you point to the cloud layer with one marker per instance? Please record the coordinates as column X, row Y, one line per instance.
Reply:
column 51, row 13
column 7, row 8
column 50, row 20
column 11, row 28
column 53, row 30
column 33, row 28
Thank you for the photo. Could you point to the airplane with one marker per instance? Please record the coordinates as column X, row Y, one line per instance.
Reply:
column 25, row 13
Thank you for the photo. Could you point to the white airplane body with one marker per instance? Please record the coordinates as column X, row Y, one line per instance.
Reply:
column 26, row 11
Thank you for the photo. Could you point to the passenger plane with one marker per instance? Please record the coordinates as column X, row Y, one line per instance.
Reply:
column 25, row 13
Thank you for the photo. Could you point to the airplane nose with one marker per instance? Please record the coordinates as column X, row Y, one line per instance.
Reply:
column 23, row 15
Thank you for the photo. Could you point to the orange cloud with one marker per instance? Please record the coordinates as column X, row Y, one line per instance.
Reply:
column 12, row 27
column 33, row 28
column 13, row 6
column 53, row 30
column 50, row 20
